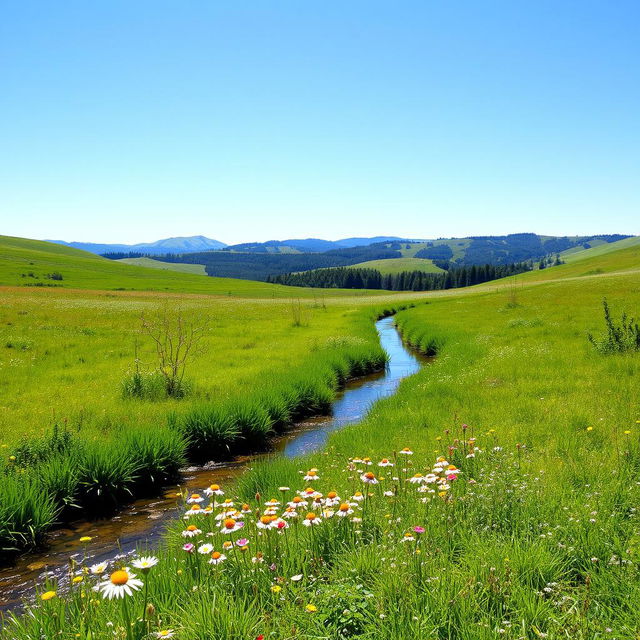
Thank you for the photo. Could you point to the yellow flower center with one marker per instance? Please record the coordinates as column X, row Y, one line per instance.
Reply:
column 119, row 578
column 195, row 496
column 311, row 516
column 195, row 507
column 297, row 499
column 192, row 527
column 344, row 507
column 332, row 495
column 229, row 523
column 311, row 473
column 417, row 475
column 215, row 487
column 215, row 555
column 369, row 475
column 265, row 519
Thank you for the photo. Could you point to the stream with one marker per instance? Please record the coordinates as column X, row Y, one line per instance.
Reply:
column 142, row 522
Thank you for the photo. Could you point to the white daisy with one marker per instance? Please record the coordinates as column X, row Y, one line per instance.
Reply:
column 145, row 563
column 120, row 583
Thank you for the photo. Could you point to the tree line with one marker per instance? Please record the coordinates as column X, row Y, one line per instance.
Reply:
column 353, row 278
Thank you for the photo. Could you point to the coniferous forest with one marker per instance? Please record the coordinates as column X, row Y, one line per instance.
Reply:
column 350, row 278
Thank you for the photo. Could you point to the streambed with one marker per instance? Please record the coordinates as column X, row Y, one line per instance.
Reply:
column 144, row 521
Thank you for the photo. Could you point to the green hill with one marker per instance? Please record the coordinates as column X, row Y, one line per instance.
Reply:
column 35, row 263
column 151, row 263
column 398, row 265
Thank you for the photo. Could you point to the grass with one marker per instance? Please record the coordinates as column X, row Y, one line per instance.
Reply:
column 151, row 263
column 536, row 535
column 397, row 265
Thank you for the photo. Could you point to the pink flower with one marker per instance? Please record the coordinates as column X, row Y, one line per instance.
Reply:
column 242, row 542
column 419, row 529
column 188, row 547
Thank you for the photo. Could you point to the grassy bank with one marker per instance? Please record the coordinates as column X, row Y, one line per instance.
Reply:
column 529, row 530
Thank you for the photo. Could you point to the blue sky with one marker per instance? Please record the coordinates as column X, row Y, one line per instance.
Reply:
column 131, row 121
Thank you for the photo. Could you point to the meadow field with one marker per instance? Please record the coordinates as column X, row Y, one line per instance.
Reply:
column 495, row 495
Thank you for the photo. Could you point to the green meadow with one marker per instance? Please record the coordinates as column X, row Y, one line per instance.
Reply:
column 514, row 514
column 398, row 265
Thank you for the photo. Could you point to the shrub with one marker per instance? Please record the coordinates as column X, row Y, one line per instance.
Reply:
column 617, row 338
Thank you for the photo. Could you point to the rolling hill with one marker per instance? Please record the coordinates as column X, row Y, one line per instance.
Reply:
column 36, row 263
column 398, row 265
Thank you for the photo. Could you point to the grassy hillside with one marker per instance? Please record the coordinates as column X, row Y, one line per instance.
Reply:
column 530, row 532
column 397, row 265
column 33, row 263
column 598, row 249
column 197, row 269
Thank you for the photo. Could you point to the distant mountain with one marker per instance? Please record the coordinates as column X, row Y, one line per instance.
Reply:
column 191, row 244
column 308, row 245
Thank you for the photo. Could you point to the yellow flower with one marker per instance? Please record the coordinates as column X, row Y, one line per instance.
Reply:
column 12, row 458
column 589, row 428
column 276, row 588
column 627, row 432
column 47, row 595
column 86, row 539
column 311, row 608
column 77, row 579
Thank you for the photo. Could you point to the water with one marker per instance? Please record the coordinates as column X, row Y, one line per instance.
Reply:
column 144, row 521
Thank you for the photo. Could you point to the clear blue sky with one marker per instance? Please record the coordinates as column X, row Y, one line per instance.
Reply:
column 126, row 121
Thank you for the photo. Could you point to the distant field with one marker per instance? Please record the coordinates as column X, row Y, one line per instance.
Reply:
column 397, row 265
column 598, row 248
column 197, row 269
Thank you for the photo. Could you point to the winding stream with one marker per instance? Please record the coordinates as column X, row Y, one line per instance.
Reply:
column 143, row 521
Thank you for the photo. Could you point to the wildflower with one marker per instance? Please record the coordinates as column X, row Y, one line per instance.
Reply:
column 416, row 478
column 242, row 542
column 205, row 548
column 312, row 474
column 191, row 531
column 366, row 461
column 230, row 525
column 389, row 494
column 217, row 558
column 77, row 580
column 589, row 428
column 86, row 539
column 98, row 569
column 357, row 496
column 297, row 502
column 214, row 489
column 188, row 547
column 344, row 510
column 290, row 512
column 280, row 524
column 48, row 595
column 311, row 519
column 246, row 508
column 194, row 511
column 332, row 499
column 369, row 478
column 145, row 563
column 385, row 463
column 119, row 584
column 419, row 529
column 266, row 522
column 311, row 608
column 195, row 498
column 296, row 578
column 258, row 558
column 165, row 633
column 408, row 538
column 627, row 433
column 284, row 489
column 276, row 588
column 406, row 451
